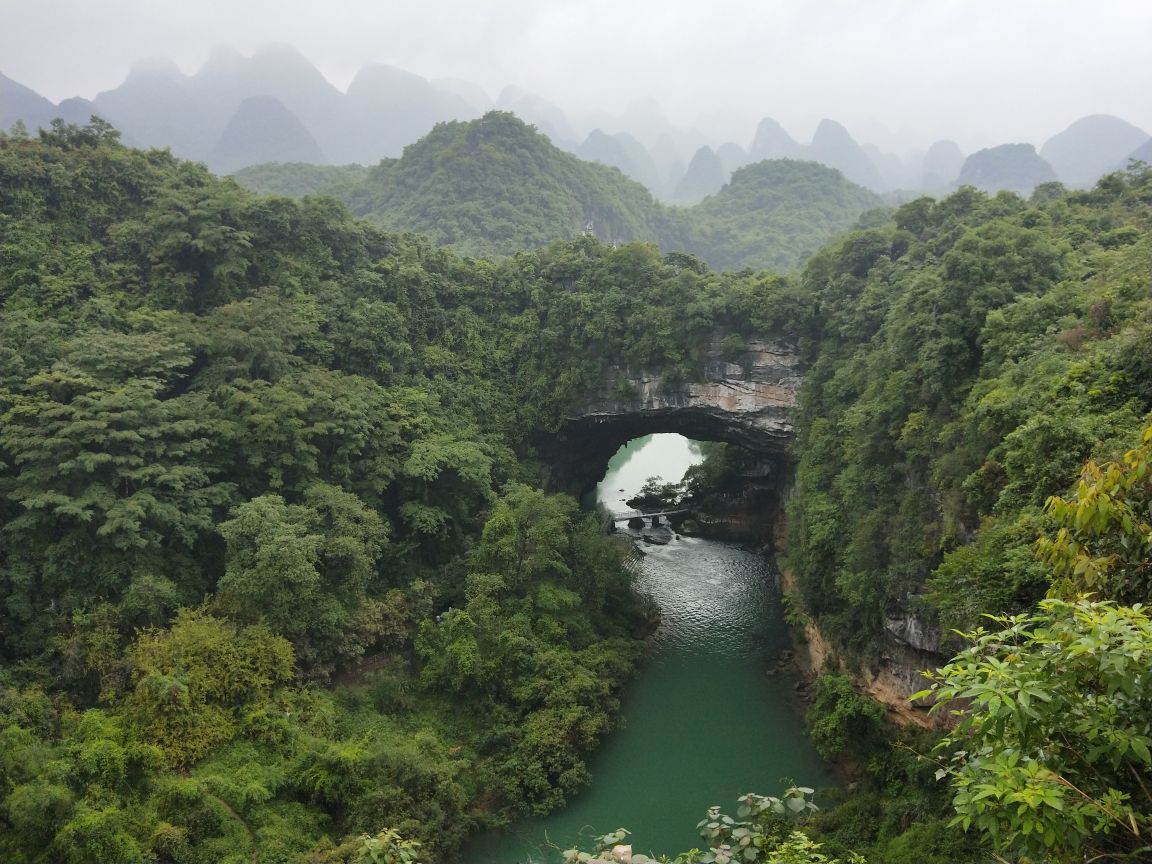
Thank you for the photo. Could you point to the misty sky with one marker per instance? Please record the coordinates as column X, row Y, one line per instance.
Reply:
column 978, row 71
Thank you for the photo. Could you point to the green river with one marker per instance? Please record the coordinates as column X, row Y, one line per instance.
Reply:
column 703, row 722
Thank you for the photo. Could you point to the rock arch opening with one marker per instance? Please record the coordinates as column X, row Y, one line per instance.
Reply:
column 745, row 397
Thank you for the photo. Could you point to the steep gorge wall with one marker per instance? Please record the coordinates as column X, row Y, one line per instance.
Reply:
column 748, row 398
column 890, row 680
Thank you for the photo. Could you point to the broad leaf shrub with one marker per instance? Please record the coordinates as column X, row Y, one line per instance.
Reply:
column 1052, row 756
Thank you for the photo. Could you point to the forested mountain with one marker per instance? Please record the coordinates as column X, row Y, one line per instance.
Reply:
column 732, row 156
column 704, row 176
column 263, row 129
column 388, row 108
column 624, row 152
column 833, row 146
column 772, row 141
column 276, row 572
column 546, row 116
column 972, row 354
column 942, row 164
column 494, row 186
column 19, row 104
column 774, row 214
column 159, row 106
column 1091, row 147
column 385, row 108
column 1015, row 167
column 1143, row 153
column 297, row 179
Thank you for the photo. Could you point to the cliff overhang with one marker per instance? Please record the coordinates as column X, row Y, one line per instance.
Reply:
column 745, row 397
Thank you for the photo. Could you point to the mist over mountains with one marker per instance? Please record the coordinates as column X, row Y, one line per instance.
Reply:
column 276, row 106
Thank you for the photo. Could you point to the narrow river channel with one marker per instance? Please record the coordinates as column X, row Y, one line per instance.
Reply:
column 703, row 722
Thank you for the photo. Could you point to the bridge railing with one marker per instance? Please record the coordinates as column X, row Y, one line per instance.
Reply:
column 627, row 516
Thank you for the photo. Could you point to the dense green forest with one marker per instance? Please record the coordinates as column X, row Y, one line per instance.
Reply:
column 274, row 571
column 278, row 581
column 495, row 186
column 297, row 179
column 774, row 214
column 967, row 358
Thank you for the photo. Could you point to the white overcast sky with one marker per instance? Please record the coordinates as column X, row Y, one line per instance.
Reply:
column 979, row 71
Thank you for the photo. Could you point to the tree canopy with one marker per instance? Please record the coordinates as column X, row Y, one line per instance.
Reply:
column 276, row 573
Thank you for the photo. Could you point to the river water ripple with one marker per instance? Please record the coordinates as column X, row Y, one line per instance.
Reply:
column 704, row 721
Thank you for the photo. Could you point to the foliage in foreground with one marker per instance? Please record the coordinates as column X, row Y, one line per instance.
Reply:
column 1052, row 745
column 1051, row 758
column 893, row 810
column 1053, row 748
column 766, row 829
column 1103, row 542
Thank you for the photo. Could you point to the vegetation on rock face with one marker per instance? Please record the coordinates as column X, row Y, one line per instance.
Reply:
column 967, row 358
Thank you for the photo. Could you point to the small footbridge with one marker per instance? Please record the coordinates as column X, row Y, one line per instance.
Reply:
column 629, row 515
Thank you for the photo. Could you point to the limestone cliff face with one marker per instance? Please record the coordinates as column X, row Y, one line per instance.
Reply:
column 752, row 396
column 744, row 395
column 891, row 679
column 911, row 630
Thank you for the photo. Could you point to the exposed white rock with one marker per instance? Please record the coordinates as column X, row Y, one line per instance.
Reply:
column 913, row 631
column 756, row 395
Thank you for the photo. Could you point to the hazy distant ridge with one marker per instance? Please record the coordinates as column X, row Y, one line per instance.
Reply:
column 210, row 116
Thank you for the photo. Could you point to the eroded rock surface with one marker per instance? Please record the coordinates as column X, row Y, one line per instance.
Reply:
column 754, row 395
column 746, row 397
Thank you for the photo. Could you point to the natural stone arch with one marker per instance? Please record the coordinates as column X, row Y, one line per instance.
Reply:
column 748, row 399
column 745, row 397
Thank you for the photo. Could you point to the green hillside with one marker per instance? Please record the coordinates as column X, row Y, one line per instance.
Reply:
column 297, row 179
column 774, row 214
column 494, row 186
column 274, row 570
column 967, row 359
column 278, row 583
column 972, row 355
